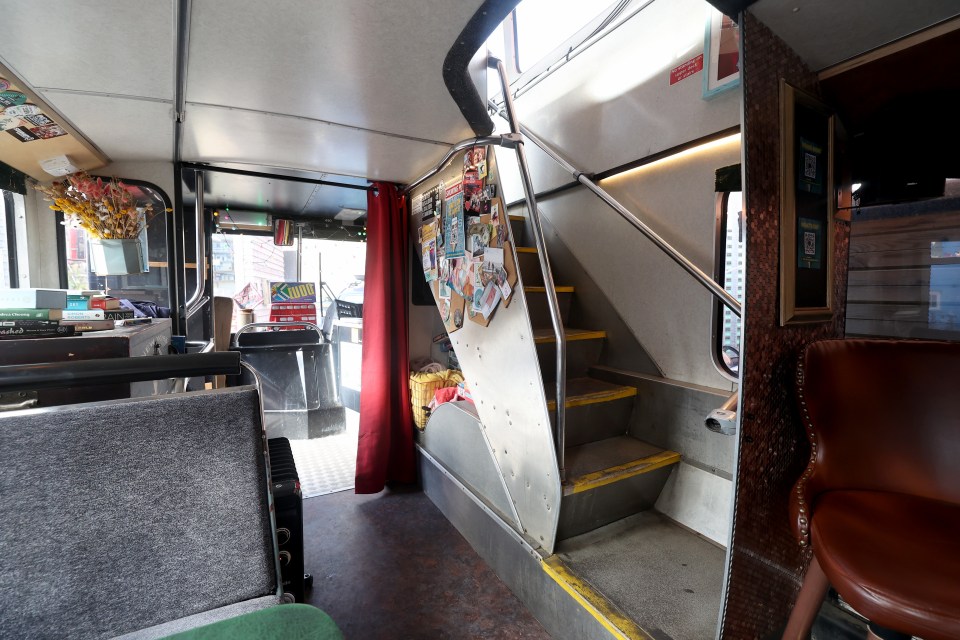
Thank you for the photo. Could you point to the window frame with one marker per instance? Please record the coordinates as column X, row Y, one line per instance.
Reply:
column 719, row 274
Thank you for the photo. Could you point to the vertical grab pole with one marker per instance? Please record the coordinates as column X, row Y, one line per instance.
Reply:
column 552, row 302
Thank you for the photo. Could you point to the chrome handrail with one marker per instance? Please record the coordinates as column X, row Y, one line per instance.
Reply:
column 536, row 228
column 503, row 141
column 195, row 301
column 698, row 274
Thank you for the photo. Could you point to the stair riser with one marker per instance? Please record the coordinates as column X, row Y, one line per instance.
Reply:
column 517, row 227
column 540, row 312
column 530, row 269
column 595, row 422
column 581, row 355
column 589, row 510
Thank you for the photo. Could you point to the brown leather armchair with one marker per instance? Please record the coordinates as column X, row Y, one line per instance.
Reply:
column 879, row 501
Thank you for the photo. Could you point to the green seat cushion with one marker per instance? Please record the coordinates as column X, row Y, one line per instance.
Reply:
column 283, row 622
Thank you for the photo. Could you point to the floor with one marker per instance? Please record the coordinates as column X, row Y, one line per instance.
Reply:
column 391, row 566
column 329, row 464
column 664, row 577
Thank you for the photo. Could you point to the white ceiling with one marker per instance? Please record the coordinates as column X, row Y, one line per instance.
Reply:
column 345, row 87
column 825, row 32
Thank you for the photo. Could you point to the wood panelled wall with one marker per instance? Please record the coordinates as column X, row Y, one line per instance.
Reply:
column 905, row 271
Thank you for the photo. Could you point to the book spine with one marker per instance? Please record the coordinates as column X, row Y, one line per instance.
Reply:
column 18, row 299
column 78, row 303
column 29, row 324
column 88, row 314
column 118, row 315
column 36, row 332
column 24, row 314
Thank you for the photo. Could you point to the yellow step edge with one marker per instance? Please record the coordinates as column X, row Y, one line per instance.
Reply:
column 621, row 472
column 563, row 289
column 516, row 218
column 574, row 335
column 620, row 626
column 526, row 249
column 595, row 397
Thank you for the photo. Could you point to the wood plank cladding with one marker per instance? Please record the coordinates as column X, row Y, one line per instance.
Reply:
column 904, row 278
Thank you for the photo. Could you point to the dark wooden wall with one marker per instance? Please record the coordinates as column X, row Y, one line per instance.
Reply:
column 766, row 563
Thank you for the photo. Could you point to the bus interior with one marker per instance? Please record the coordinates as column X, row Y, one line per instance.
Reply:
column 611, row 237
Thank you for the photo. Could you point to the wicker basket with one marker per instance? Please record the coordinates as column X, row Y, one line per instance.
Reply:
column 422, row 388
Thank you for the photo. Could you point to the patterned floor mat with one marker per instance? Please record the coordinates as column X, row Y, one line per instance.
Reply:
column 327, row 465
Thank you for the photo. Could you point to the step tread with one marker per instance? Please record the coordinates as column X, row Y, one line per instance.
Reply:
column 515, row 218
column 526, row 249
column 581, row 391
column 595, row 464
column 559, row 288
column 541, row 336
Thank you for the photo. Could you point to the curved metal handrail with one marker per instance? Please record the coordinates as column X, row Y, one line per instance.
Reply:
column 503, row 141
column 196, row 299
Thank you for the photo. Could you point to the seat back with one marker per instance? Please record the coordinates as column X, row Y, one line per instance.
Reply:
column 125, row 514
column 881, row 415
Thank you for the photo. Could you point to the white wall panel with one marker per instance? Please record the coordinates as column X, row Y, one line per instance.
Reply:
column 365, row 63
column 698, row 500
column 158, row 173
column 110, row 46
column 124, row 129
column 666, row 309
column 614, row 103
column 224, row 135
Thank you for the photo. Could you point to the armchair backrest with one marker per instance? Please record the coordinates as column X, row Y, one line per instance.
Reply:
column 125, row 514
column 881, row 415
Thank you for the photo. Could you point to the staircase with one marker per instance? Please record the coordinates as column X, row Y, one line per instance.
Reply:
column 609, row 474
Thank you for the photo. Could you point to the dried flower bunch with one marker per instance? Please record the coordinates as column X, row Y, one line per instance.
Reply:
column 105, row 210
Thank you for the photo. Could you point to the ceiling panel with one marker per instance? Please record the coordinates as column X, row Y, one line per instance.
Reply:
column 365, row 63
column 281, row 196
column 825, row 32
column 123, row 46
column 223, row 135
column 124, row 129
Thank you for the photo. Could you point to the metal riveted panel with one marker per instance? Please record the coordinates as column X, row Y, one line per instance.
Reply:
column 500, row 365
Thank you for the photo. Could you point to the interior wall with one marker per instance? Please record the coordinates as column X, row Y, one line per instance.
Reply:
column 766, row 562
column 41, row 240
column 156, row 172
column 668, row 312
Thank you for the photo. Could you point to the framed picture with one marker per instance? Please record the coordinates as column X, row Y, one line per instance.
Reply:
column 807, row 207
column 721, row 54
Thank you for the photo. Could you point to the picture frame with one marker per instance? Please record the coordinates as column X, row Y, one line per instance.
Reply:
column 808, row 203
column 721, row 54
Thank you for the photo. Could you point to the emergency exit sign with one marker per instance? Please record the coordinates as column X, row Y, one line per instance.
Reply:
column 686, row 69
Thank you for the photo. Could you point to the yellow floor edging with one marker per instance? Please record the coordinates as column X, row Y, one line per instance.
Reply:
column 526, row 249
column 562, row 289
column 619, row 626
column 574, row 335
column 621, row 472
column 594, row 397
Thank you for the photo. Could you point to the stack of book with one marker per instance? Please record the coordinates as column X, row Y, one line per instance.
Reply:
column 45, row 313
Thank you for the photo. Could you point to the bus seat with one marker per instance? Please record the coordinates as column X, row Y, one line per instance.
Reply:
column 122, row 515
column 879, row 502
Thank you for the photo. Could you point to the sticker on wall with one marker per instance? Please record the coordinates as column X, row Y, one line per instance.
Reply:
column 39, row 120
column 11, row 99
column 21, row 110
column 4, row 84
column 8, row 122
column 453, row 232
column 22, row 134
column 48, row 131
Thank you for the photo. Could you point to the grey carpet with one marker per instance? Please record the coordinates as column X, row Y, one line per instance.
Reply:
column 122, row 515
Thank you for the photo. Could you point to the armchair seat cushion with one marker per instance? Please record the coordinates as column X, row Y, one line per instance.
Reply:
column 894, row 558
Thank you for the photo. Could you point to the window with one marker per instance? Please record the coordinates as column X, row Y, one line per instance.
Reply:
column 14, row 267
column 152, row 286
column 729, row 273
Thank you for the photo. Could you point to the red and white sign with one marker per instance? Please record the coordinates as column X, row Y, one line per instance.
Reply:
column 686, row 69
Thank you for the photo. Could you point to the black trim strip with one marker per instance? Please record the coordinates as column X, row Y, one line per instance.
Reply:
column 11, row 220
column 456, row 65
column 274, row 176
column 62, row 252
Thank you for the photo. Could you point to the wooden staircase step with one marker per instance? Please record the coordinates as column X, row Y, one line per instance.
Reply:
column 584, row 391
column 604, row 462
column 543, row 336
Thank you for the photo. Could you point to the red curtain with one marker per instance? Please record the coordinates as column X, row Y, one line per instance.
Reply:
column 385, row 452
